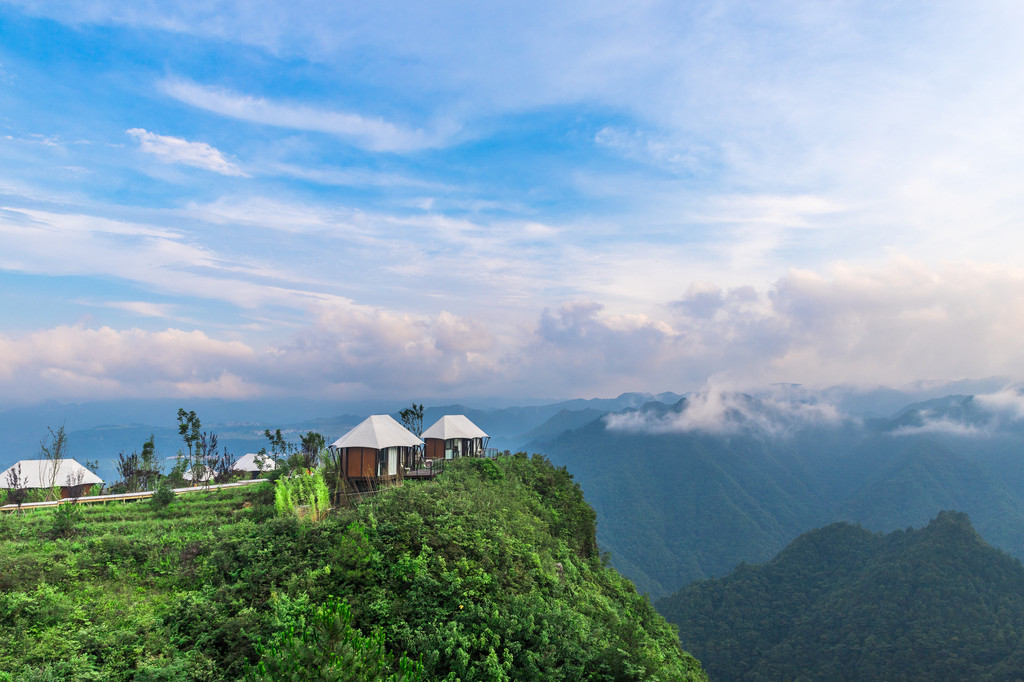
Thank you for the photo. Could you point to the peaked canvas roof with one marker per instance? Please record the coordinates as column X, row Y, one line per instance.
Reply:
column 454, row 426
column 377, row 431
column 35, row 473
column 248, row 463
column 207, row 475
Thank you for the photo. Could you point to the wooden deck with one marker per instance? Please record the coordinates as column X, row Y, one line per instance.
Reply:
column 435, row 467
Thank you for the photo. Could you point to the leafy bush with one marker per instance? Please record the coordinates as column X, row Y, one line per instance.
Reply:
column 302, row 494
column 65, row 517
column 42, row 494
column 163, row 496
column 324, row 646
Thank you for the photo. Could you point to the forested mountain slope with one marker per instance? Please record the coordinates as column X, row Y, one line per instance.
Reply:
column 490, row 572
column 841, row 603
column 685, row 492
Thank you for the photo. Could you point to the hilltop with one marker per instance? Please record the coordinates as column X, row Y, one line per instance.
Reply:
column 491, row 572
column 842, row 603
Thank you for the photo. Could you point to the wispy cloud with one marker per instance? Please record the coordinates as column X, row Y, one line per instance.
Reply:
column 177, row 150
column 944, row 426
column 722, row 411
column 1008, row 402
column 144, row 308
column 371, row 133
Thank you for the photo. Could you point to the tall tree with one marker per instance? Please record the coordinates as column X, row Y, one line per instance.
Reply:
column 188, row 428
column 16, row 484
column 279, row 447
column 139, row 472
column 312, row 445
column 412, row 418
column 149, row 470
column 53, row 448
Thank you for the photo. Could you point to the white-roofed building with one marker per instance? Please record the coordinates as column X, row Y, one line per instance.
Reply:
column 73, row 478
column 377, row 449
column 254, row 463
column 454, row 436
column 196, row 475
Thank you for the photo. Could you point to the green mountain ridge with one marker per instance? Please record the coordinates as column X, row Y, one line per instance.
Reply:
column 489, row 572
column 843, row 603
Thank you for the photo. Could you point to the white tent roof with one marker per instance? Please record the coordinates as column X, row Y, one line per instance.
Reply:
column 454, row 426
column 208, row 474
column 377, row 431
column 35, row 473
column 248, row 463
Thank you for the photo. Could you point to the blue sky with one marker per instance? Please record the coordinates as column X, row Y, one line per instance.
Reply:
column 436, row 200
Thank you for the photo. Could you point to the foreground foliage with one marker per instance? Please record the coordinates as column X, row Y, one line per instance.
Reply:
column 841, row 603
column 489, row 573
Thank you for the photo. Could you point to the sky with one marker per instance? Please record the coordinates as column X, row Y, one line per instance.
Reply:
column 252, row 199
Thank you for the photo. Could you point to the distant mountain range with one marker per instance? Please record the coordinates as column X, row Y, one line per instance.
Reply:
column 685, row 487
column 100, row 430
column 841, row 603
column 688, row 491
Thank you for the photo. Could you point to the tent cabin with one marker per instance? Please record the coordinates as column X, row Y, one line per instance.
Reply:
column 377, row 450
column 205, row 476
column 73, row 478
column 454, row 436
column 254, row 463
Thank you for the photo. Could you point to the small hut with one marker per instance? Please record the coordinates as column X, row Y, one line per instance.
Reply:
column 377, row 450
column 254, row 463
column 73, row 478
column 454, row 436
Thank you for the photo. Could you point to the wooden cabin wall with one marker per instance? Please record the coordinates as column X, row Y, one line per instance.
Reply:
column 360, row 463
column 67, row 491
column 434, row 448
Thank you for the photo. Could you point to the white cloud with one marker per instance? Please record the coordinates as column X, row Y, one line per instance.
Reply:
column 1008, row 401
column 168, row 260
column 177, row 150
column 945, row 426
column 866, row 327
column 371, row 133
column 719, row 410
column 144, row 308
column 882, row 326
column 74, row 362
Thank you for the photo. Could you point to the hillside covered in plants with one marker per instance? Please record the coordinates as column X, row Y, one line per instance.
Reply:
column 842, row 603
column 490, row 572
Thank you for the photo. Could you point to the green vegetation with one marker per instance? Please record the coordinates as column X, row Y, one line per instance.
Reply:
column 303, row 494
column 490, row 572
column 841, row 603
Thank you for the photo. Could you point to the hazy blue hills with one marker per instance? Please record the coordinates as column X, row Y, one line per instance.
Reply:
column 842, row 603
column 688, row 491
column 100, row 430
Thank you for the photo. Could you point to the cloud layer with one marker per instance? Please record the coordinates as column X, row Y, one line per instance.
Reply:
column 886, row 326
column 544, row 200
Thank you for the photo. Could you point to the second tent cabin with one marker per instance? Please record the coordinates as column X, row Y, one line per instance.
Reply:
column 454, row 436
